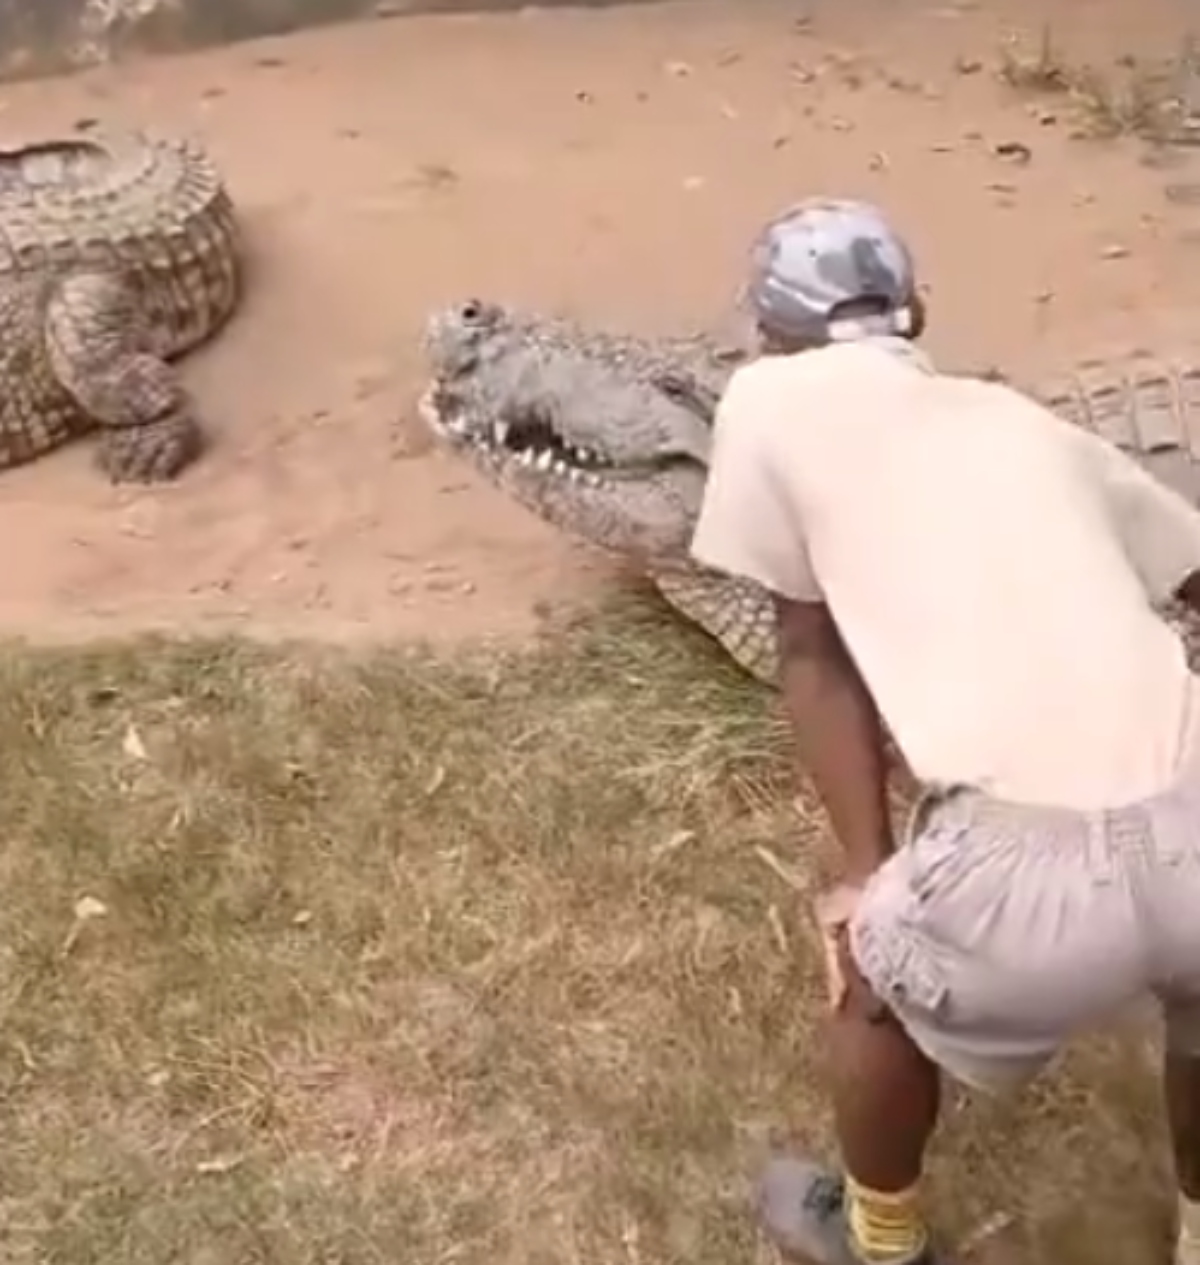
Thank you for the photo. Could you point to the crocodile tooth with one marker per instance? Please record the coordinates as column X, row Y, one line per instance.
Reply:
column 500, row 432
column 561, row 467
column 545, row 460
column 525, row 457
column 585, row 456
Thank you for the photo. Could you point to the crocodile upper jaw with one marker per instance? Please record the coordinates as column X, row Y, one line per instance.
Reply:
column 645, row 510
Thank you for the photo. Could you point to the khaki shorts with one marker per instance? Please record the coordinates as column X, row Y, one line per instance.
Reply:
column 999, row 931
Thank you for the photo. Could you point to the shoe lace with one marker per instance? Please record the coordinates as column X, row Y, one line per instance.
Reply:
column 826, row 1196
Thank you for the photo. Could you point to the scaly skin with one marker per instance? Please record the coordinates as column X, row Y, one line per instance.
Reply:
column 116, row 255
column 607, row 436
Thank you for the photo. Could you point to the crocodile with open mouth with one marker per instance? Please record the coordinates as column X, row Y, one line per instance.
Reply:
column 607, row 436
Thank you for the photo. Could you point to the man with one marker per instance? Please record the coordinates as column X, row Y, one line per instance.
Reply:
column 951, row 557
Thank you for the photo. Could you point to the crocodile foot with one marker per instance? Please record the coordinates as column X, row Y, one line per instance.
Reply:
column 154, row 452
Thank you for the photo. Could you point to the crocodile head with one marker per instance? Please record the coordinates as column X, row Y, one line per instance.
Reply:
column 590, row 431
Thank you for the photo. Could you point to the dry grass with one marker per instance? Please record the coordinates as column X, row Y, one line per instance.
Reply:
column 1153, row 99
column 305, row 960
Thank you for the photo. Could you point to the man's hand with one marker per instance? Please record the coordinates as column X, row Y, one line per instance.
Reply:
column 846, row 987
column 834, row 909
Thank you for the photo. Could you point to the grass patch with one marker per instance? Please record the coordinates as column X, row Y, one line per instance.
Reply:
column 309, row 960
column 1154, row 99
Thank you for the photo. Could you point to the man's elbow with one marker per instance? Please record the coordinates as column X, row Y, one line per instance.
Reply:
column 807, row 634
column 1189, row 592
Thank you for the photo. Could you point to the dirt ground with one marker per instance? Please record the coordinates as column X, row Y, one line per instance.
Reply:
column 612, row 163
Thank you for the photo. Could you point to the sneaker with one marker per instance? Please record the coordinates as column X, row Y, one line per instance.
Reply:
column 802, row 1210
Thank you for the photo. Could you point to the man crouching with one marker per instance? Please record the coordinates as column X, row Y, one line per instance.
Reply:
column 950, row 556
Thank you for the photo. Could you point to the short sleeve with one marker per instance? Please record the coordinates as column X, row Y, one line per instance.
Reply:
column 1159, row 528
column 748, row 526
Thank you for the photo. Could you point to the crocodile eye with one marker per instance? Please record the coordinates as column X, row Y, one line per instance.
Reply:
column 472, row 310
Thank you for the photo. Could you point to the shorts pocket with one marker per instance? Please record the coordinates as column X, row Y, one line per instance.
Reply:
column 940, row 858
column 889, row 949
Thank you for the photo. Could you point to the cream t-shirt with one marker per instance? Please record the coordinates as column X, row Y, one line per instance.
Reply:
column 991, row 568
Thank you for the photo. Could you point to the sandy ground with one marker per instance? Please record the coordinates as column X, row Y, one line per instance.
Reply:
column 612, row 163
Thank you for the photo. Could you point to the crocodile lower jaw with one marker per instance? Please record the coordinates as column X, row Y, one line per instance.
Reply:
column 491, row 444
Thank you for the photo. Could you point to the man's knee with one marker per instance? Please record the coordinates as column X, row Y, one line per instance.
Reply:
column 938, row 996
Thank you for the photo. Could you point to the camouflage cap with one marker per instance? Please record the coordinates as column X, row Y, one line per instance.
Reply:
column 820, row 255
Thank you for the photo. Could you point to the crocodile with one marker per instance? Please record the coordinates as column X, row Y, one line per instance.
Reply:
column 118, row 253
column 607, row 436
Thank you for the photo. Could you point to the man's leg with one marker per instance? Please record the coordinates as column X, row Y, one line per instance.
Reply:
column 1181, row 1086
column 885, row 1100
column 1181, row 1093
column 885, row 1092
column 1171, row 890
column 947, row 1007
column 886, row 1095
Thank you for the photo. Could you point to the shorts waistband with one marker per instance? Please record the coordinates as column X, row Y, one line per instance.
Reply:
column 1163, row 828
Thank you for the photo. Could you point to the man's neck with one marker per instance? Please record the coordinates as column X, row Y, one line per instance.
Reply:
column 903, row 348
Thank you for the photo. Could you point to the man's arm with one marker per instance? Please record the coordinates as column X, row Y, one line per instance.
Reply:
column 1159, row 527
column 838, row 733
column 751, row 524
column 1189, row 592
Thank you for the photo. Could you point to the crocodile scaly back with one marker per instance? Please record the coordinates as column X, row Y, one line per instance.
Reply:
column 1151, row 409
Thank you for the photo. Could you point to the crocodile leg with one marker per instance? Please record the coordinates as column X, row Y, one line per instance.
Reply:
column 738, row 613
column 99, row 340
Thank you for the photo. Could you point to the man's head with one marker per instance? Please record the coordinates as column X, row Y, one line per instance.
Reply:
column 830, row 271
